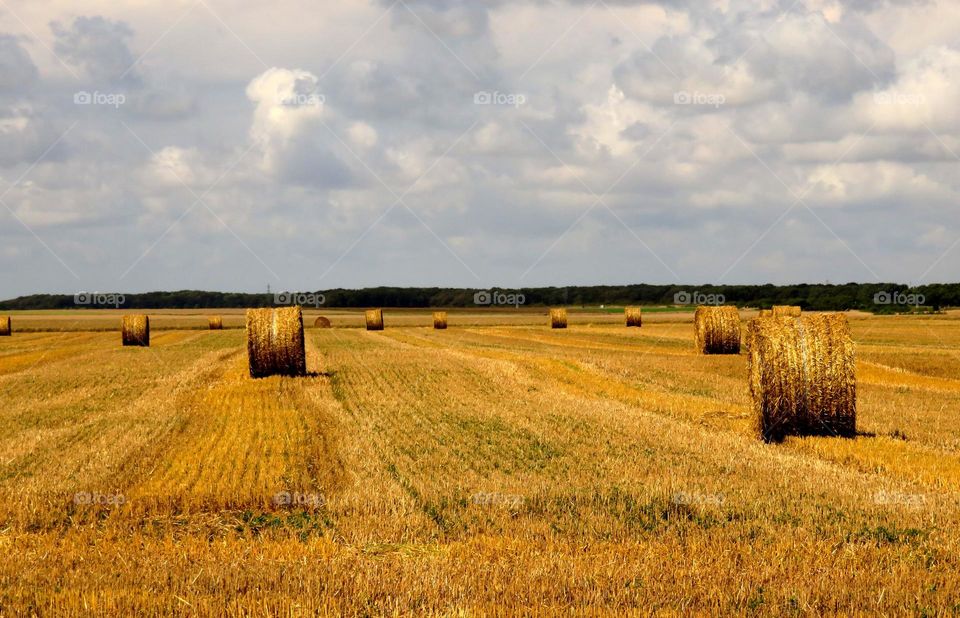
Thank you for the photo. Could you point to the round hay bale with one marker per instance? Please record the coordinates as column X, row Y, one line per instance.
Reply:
column 748, row 332
column 440, row 320
column 633, row 316
column 275, row 342
column 5, row 326
column 136, row 330
column 322, row 322
column 786, row 311
column 717, row 330
column 216, row 322
column 558, row 318
column 374, row 319
column 803, row 377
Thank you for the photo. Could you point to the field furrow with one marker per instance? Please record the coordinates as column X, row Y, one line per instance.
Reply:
column 712, row 391
column 244, row 443
column 89, row 430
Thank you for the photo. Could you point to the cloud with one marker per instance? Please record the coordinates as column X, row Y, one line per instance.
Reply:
column 163, row 104
column 288, row 128
column 699, row 123
column 760, row 58
column 924, row 95
column 27, row 133
column 99, row 46
column 17, row 71
column 362, row 135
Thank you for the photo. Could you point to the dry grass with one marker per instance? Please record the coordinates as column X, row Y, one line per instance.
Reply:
column 786, row 311
column 216, row 322
column 717, row 330
column 803, row 376
column 135, row 330
column 440, row 320
column 275, row 342
column 765, row 313
column 373, row 319
column 633, row 316
column 485, row 470
column 5, row 326
column 558, row 318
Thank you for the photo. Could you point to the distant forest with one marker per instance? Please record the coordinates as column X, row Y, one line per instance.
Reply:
column 876, row 297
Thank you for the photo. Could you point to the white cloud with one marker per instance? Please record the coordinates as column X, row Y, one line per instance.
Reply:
column 859, row 182
column 925, row 94
column 363, row 135
column 174, row 167
column 606, row 130
column 288, row 128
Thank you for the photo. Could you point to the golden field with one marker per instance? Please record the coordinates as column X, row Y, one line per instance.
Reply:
column 497, row 467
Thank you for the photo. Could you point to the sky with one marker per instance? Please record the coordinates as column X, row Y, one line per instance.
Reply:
column 304, row 145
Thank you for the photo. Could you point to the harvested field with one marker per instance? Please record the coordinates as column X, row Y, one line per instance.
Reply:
column 489, row 468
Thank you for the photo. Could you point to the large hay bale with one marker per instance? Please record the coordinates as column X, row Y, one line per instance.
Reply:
column 322, row 322
column 558, row 318
column 763, row 313
column 440, row 320
column 633, row 316
column 136, row 330
column 786, row 311
column 803, row 376
column 275, row 342
column 216, row 322
column 717, row 330
column 374, row 319
column 5, row 326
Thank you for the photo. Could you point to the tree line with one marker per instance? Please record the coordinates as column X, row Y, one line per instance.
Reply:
column 876, row 297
